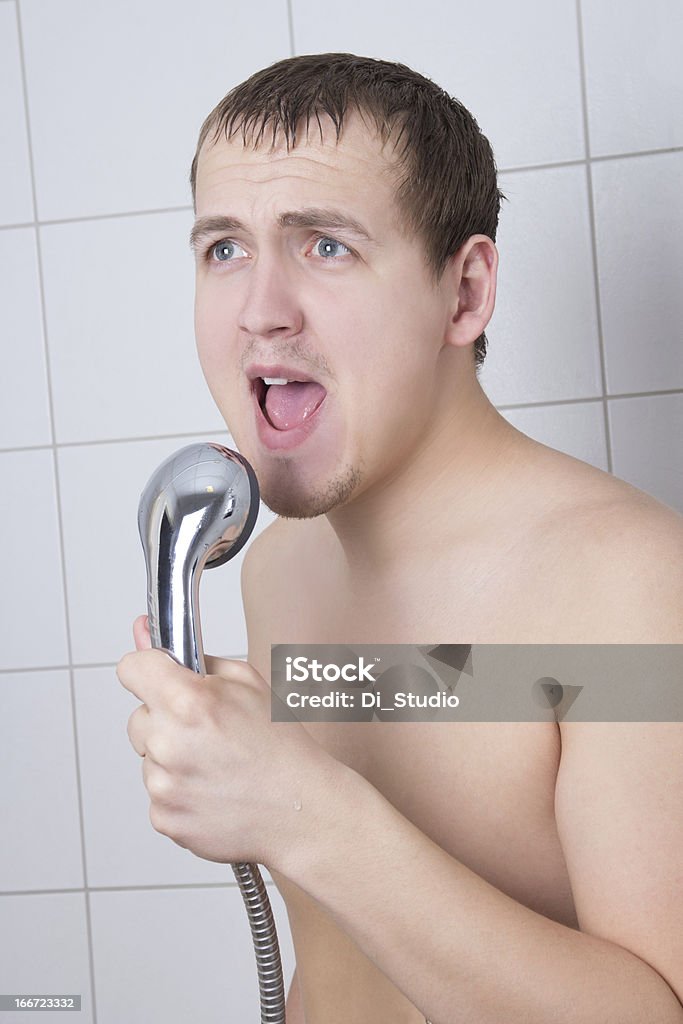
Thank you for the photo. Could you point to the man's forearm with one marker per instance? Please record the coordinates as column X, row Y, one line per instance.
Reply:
column 456, row 946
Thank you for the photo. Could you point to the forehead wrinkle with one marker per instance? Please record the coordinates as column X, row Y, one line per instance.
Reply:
column 300, row 168
column 355, row 147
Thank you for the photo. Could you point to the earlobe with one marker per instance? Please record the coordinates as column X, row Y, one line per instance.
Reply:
column 476, row 289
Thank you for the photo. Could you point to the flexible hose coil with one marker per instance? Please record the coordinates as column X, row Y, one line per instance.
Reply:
column 266, row 947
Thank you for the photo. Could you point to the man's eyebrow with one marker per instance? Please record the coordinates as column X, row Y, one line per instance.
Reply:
column 318, row 217
column 206, row 226
column 310, row 217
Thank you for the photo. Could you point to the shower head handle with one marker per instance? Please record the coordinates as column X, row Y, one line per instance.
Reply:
column 197, row 511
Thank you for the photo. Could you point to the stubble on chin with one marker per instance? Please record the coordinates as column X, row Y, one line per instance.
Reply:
column 286, row 496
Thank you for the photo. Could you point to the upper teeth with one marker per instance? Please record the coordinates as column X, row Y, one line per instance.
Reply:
column 275, row 380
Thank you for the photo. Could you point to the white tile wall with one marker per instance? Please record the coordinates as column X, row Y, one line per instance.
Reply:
column 43, row 950
column 119, row 310
column 32, row 611
column 577, row 428
column 187, row 956
column 115, row 107
column 633, row 74
column 543, row 336
column 639, row 231
column 514, row 66
column 41, row 846
column 16, row 203
column 100, row 106
column 24, row 406
column 646, row 444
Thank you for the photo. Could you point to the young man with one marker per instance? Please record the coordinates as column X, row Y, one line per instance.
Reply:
column 523, row 872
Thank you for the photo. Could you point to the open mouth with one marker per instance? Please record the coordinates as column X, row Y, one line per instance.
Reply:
column 287, row 404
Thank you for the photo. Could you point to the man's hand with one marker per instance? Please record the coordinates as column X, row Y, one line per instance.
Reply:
column 224, row 781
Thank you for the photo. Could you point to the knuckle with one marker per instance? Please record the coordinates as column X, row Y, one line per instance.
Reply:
column 123, row 664
column 159, row 749
column 183, row 706
column 159, row 787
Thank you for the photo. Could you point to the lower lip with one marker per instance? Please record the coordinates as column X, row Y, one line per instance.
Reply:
column 283, row 440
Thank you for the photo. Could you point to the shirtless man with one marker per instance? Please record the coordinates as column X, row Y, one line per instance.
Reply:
column 490, row 872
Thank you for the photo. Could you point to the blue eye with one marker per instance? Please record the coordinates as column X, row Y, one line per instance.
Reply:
column 224, row 250
column 329, row 245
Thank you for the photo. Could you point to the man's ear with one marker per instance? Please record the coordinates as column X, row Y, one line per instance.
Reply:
column 473, row 271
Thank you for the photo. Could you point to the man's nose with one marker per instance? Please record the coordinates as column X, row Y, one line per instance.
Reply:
column 271, row 300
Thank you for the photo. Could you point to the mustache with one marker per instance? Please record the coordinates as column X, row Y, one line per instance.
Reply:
column 314, row 363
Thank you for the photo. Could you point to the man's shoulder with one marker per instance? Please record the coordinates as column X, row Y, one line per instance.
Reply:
column 622, row 552
column 613, row 517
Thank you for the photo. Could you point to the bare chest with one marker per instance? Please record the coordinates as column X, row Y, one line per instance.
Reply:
column 483, row 791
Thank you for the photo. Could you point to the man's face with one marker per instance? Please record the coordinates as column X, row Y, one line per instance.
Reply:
column 357, row 315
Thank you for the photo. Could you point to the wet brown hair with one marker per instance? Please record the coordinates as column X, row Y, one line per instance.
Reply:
column 446, row 188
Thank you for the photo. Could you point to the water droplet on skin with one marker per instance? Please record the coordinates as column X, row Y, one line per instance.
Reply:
column 297, row 805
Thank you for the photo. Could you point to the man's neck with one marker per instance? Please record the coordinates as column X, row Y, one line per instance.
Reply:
column 452, row 488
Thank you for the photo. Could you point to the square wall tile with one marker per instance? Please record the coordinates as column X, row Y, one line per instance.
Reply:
column 24, row 407
column 44, row 949
column 634, row 75
column 116, row 106
column 178, row 956
column 122, row 846
column 119, row 296
column 16, row 200
column 639, row 231
column 514, row 66
column 646, row 445
column 105, row 569
column 32, row 619
column 543, row 335
column 577, row 429
column 41, row 848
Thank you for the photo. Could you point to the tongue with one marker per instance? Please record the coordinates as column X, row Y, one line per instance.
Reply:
column 288, row 405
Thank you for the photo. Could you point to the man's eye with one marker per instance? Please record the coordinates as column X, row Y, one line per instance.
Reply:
column 330, row 247
column 224, row 251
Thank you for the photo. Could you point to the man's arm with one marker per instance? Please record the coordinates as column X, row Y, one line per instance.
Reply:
column 619, row 813
column 294, row 1008
column 460, row 948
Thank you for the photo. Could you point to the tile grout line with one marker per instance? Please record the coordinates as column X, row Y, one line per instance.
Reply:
column 219, row 432
column 86, row 666
column 87, row 218
column 555, row 164
column 60, row 525
column 170, row 887
column 594, row 243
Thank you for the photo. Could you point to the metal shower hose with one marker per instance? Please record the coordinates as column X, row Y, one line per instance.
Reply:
column 266, row 948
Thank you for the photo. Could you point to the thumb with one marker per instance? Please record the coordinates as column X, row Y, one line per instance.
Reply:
column 143, row 640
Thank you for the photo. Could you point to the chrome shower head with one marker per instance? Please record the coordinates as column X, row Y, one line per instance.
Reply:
column 197, row 510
